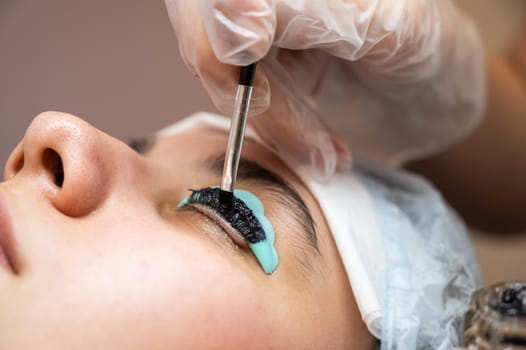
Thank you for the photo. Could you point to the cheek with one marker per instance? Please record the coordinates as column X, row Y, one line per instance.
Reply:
column 201, row 296
column 143, row 284
column 216, row 305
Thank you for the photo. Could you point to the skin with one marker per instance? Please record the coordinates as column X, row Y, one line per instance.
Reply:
column 106, row 262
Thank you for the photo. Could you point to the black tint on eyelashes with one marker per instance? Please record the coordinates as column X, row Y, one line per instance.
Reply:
column 238, row 215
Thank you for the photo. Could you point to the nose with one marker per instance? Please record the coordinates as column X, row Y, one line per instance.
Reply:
column 68, row 159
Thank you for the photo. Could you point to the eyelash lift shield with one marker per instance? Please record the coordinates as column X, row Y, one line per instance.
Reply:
column 237, row 133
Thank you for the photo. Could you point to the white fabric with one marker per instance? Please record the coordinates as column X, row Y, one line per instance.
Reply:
column 430, row 267
column 348, row 209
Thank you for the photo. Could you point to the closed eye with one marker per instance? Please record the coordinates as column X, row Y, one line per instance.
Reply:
column 238, row 215
column 220, row 222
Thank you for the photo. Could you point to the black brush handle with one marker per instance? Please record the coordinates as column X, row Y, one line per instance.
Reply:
column 246, row 75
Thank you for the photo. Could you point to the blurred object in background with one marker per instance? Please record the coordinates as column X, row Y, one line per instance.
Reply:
column 496, row 318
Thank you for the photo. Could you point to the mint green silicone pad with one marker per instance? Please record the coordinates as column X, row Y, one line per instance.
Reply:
column 264, row 250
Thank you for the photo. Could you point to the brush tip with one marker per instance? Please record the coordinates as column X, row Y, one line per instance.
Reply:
column 246, row 74
column 226, row 198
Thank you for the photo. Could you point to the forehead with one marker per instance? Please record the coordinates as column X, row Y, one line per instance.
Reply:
column 194, row 147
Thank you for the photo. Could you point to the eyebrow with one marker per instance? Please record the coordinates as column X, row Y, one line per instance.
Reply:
column 250, row 170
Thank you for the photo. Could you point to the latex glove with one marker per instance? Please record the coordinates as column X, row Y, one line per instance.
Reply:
column 396, row 79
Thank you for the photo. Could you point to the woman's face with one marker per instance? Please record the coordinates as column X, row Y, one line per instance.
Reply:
column 101, row 258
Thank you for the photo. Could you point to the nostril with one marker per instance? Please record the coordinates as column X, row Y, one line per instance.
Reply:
column 53, row 164
column 19, row 164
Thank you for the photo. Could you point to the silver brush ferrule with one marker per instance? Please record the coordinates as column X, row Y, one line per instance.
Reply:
column 236, row 136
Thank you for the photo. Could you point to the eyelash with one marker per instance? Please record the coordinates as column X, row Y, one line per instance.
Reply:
column 239, row 217
column 210, row 213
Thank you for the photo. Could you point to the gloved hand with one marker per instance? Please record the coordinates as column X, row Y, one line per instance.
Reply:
column 396, row 79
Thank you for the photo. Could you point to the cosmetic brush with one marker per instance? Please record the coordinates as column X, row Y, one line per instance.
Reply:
column 237, row 133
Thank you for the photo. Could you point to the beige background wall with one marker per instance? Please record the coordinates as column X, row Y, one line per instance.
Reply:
column 116, row 64
column 113, row 62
